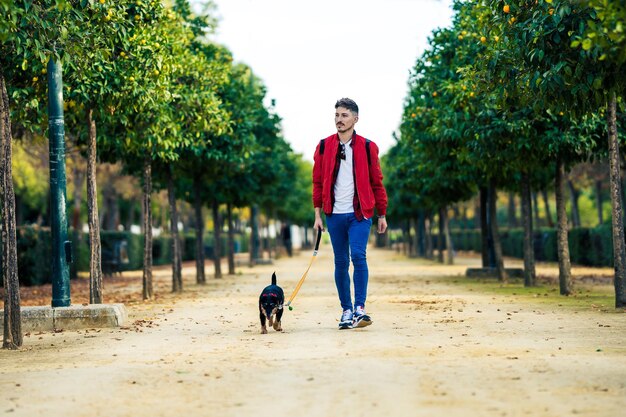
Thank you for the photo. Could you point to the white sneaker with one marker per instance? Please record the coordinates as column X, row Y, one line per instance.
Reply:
column 360, row 318
column 346, row 320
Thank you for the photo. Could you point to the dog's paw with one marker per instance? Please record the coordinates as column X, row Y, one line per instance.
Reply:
column 263, row 330
column 277, row 326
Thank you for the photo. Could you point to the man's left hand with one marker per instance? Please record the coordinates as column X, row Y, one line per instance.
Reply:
column 382, row 225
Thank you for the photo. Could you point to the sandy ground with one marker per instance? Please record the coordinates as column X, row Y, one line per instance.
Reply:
column 434, row 349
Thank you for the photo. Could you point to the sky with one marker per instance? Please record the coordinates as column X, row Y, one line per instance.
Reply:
column 311, row 53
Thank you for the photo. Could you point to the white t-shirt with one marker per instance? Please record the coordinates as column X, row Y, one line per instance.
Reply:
column 344, row 186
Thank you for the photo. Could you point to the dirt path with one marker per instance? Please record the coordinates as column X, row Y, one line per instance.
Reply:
column 434, row 349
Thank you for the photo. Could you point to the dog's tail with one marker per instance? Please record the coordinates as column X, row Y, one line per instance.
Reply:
column 274, row 278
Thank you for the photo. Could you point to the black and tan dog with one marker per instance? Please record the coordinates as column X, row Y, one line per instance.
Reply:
column 270, row 305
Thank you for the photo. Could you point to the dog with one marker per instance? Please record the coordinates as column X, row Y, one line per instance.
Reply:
column 270, row 305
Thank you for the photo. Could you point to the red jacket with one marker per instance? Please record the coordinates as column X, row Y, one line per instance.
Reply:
column 369, row 191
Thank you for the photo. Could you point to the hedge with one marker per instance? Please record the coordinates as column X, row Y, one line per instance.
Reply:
column 587, row 246
column 34, row 251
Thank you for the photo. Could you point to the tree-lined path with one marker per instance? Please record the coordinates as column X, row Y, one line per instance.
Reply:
column 436, row 348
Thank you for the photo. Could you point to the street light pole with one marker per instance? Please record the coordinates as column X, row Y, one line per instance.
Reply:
column 61, row 246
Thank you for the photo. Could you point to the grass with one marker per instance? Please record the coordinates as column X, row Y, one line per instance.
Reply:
column 585, row 297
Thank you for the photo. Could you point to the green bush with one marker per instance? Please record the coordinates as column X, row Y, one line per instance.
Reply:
column 34, row 251
column 587, row 246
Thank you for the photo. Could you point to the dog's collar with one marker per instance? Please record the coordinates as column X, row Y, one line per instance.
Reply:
column 280, row 307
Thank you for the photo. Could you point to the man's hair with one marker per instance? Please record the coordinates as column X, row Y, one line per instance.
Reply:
column 347, row 103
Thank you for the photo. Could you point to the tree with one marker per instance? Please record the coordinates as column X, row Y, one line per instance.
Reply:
column 567, row 81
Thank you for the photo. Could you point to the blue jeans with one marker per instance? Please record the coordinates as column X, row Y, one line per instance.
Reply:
column 349, row 238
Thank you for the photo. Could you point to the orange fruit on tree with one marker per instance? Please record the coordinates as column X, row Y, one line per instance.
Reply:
column 434, row 94
column 483, row 39
column 506, row 8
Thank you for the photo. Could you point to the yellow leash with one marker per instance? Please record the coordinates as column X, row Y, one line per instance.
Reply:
column 295, row 291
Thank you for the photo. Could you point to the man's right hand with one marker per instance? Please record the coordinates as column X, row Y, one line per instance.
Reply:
column 318, row 223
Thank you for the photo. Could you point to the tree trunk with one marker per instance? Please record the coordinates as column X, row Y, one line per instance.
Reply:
column 421, row 234
column 599, row 201
column 565, row 269
column 546, row 203
column 405, row 245
column 95, row 260
column 231, row 240
column 146, row 214
column 217, row 236
column 488, row 257
column 448, row 237
column 409, row 239
column 527, row 221
column 574, row 194
column 429, row 236
column 440, row 238
column 495, row 234
column 415, row 243
column 177, row 278
column 535, row 208
column 254, row 234
column 512, row 212
column 13, row 337
column 200, row 275
column 619, row 250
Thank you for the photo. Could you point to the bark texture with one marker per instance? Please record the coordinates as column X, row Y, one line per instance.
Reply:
column 13, row 337
column 484, row 228
column 217, row 239
column 254, row 235
column 619, row 249
column 231, row 240
column 565, row 268
column 527, row 221
column 421, row 234
column 429, row 236
column 415, row 243
column 177, row 278
column 440, row 237
column 95, row 252
column 495, row 234
column 146, row 214
column 546, row 203
column 200, row 274
column 448, row 237
column 409, row 239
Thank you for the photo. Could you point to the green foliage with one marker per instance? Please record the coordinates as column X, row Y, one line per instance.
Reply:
column 29, row 183
column 7, row 22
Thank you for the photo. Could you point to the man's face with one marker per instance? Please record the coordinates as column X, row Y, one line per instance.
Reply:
column 344, row 119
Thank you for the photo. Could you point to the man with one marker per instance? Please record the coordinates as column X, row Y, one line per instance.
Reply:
column 347, row 186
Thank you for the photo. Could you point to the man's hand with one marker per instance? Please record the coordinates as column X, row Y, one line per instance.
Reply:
column 318, row 220
column 382, row 225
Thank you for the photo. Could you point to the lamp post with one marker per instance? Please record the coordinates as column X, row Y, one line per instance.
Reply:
column 61, row 246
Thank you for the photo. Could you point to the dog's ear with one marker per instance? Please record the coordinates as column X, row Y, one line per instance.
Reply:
column 274, row 278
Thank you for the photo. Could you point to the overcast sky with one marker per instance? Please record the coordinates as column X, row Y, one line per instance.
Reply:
column 311, row 53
